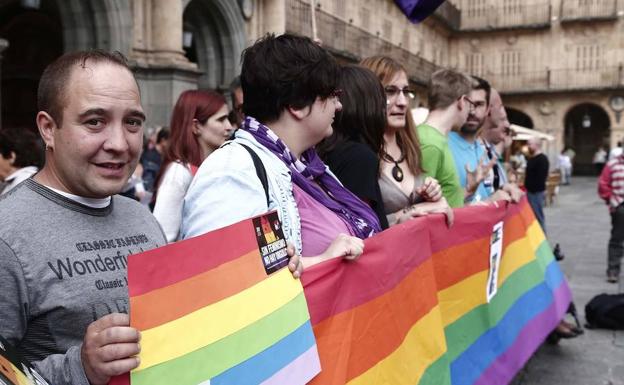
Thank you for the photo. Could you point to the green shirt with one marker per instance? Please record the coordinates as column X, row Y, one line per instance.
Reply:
column 438, row 163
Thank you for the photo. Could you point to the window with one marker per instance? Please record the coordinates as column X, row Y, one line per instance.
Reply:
column 387, row 29
column 474, row 64
column 589, row 57
column 365, row 17
column 510, row 63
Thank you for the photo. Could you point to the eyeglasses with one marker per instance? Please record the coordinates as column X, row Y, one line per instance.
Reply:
column 471, row 105
column 393, row 91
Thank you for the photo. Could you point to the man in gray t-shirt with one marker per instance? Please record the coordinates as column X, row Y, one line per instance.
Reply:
column 65, row 235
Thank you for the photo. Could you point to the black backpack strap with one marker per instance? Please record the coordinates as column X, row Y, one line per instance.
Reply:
column 260, row 171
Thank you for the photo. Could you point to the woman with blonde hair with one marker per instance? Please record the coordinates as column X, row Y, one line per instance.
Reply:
column 405, row 191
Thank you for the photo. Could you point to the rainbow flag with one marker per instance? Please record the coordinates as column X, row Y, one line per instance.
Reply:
column 413, row 309
column 210, row 313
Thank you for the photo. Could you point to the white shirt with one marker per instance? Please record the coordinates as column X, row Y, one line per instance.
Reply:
column 170, row 198
column 615, row 152
column 18, row 177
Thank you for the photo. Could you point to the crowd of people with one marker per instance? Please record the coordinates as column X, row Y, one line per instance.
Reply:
column 333, row 149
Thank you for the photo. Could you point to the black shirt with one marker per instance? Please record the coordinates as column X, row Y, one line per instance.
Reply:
column 357, row 168
column 536, row 173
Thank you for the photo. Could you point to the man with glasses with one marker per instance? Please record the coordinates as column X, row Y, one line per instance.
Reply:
column 471, row 161
column 449, row 107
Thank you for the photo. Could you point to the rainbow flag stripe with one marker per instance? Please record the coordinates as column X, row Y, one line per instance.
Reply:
column 413, row 308
column 209, row 313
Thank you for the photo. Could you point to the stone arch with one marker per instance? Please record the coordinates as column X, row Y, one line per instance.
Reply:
column 38, row 34
column 519, row 117
column 587, row 127
column 218, row 31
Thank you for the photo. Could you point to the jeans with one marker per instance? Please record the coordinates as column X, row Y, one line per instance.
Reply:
column 537, row 200
column 616, row 242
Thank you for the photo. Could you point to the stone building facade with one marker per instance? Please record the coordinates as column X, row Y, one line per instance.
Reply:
column 558, row 63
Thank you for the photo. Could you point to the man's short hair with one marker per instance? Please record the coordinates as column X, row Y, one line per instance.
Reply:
column 482, row 84
column 446, row 86
column 51, row 95
column 24, row 144
column 163, row 134
column 285, row 71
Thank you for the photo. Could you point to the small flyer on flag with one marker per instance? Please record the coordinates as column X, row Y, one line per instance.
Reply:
column 496, row 249
column 271, row 241
column 16, row 371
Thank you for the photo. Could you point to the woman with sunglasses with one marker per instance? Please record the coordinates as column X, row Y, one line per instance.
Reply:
column 406, row 192
column 199, row 125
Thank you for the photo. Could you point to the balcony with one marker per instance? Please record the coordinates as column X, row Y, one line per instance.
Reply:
column 588, row 10
column 559, row 80
column 512, row 15
column 448, row 15
column 352, row 43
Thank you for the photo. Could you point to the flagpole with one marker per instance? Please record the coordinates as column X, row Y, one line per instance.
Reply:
column 313, row 14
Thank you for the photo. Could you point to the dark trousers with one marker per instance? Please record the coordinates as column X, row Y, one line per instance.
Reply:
column 537, row 200
column 616, row 242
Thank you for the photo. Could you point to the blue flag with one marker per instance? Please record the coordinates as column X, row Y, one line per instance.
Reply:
column 418, row 10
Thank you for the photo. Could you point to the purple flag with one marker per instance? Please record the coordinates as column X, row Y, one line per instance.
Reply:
column 418, row 10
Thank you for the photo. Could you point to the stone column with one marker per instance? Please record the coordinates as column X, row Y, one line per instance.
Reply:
column 162, row 70
column 4, row 44
column 167, row 31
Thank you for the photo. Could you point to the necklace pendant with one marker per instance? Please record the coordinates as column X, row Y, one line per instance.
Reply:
column 397, row 173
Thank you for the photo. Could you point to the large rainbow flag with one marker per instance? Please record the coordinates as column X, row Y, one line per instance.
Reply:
column 413, row 309
column 209, row 313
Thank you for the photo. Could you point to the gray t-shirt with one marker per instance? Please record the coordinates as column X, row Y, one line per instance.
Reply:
column 63, row 266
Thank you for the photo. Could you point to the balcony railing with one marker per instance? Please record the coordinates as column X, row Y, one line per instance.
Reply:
column 489, row 16
column 577, row 10
column 352, row 43
column 555, row 80
column 449, row 15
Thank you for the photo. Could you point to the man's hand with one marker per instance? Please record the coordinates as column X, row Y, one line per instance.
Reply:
column 500, row 195
column 109, row 348
column 514, row 191
column 294, row 265
column 476, row 176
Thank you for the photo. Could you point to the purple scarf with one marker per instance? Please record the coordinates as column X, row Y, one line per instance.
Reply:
column 357, row 214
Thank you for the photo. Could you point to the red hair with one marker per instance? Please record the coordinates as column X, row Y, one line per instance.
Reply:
column 183, row 145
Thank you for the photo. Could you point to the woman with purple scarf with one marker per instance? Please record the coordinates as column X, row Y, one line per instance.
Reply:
column 290, row 97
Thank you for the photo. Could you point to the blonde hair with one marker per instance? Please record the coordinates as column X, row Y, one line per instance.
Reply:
column 386, row 69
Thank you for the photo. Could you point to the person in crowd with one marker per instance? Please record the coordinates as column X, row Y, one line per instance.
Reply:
column 449, row 107
column 611, row 189
column 351, row 150
column 134, row 188
column 54, row 310
column 199, row 125
column 290, row 88
column 236, row 93
column 600, row 159
column 151, row 159
column 535, row 180
column 495, row 132
column 20, row 158
column 471, row 162
column 615, row 151
column 406, row 192
column 565, row 167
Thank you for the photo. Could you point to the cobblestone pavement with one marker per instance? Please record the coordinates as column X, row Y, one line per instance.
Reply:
column 579, row 221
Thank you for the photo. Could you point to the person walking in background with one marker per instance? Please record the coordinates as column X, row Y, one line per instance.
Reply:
column 599, row 160
column 199, row 125
column 611, row 190
column 151, row 159
column 535, row 180
column 449, row 107
column 20, row 158
column 615, row 151
column 565, row 167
